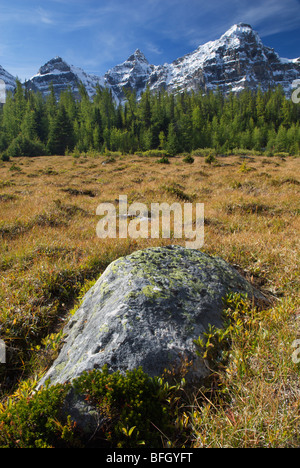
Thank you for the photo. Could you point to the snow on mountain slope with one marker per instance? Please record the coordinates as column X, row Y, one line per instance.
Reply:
column 238, row 59
column 9, row 80
column 63, row 76
column 132, row 74
column 235, row 61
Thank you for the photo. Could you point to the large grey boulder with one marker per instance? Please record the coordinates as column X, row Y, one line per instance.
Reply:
column 146, row 310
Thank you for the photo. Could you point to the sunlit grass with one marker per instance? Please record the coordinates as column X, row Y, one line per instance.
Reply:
column 49, row 249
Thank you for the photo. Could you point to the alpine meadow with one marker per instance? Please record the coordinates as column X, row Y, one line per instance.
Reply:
column 237, row 153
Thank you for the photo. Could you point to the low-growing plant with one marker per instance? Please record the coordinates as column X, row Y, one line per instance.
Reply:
column 5, row 157
column 134, row 404
column 282, row 155
column 15, row 168
column 214, row 345
column 210, row 158
column 176, row 190
column 250, row 208
column 245, row 168
column 204, row 152
column 188, row 159
column 163, row 160
column 49, row 252
column 37, row 421
column 76, row 192
column 6, row 183
column 258, row 368
column 22, row 146
column 154, row 153
column 135, row 409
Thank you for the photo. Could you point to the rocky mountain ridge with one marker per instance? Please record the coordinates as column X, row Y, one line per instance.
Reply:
column 8, row 79
column 238, row 59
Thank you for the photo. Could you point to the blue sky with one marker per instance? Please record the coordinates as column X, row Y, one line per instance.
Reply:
column 98, row 34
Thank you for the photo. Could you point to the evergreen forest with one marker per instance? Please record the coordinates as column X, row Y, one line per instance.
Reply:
column 33, row 125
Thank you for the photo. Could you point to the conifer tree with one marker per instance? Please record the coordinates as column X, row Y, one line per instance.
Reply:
column 172, row 145
column 61, row 134
column 173, row 122
column 28, row 126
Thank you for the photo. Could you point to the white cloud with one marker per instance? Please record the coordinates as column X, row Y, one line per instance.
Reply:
column 154, row 49
column 98, row 34
column 272, row 16
column 44, row 16
column 26, row 16
column 204, row 21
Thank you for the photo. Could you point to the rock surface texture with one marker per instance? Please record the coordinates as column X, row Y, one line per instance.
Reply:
column 62, row 76
column 235, row 61
column 8, row 79
column 146, row 310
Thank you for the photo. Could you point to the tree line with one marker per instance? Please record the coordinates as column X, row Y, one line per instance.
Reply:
column 33, row 125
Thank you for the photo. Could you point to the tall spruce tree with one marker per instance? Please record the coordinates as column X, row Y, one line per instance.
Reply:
column 173, row 122
column 61, row 136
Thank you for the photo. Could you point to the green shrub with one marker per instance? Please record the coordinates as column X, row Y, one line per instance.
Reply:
column 137, row 411
column 22, row 146
column 204, row 152
column 15, row 168
column 210, row 158
column 37, row 422
column 163, row 160
column 154, row 153
column 176, row 190
column 243, row 152
column 135, row 405
column 5, row 157
column 188, row 159
column 282, row 155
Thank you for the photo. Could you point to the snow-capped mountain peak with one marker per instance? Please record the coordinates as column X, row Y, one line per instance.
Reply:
column 54, row 66
column 238, row 59
column 240, row 30
column 63, row 76
column 138, row 56
column 240, row 33
column 132, row 74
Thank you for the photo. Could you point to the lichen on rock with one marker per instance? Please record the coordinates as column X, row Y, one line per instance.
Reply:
column 147, row 309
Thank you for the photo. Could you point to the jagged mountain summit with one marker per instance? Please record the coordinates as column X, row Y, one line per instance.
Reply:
column 62, row 76
column 134, row 74
column 235, row 61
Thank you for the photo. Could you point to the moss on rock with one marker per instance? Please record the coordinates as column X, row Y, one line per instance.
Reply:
column 146, row 310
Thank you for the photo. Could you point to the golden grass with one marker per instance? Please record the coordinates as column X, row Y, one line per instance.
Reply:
column 49, row 249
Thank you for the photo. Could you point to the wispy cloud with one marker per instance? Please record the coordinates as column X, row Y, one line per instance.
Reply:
column 45, row 17
column 98, row 34
column 153, row 48
column 113, row 14
column 271, row 16
column 205, row 21
column 26, row 16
